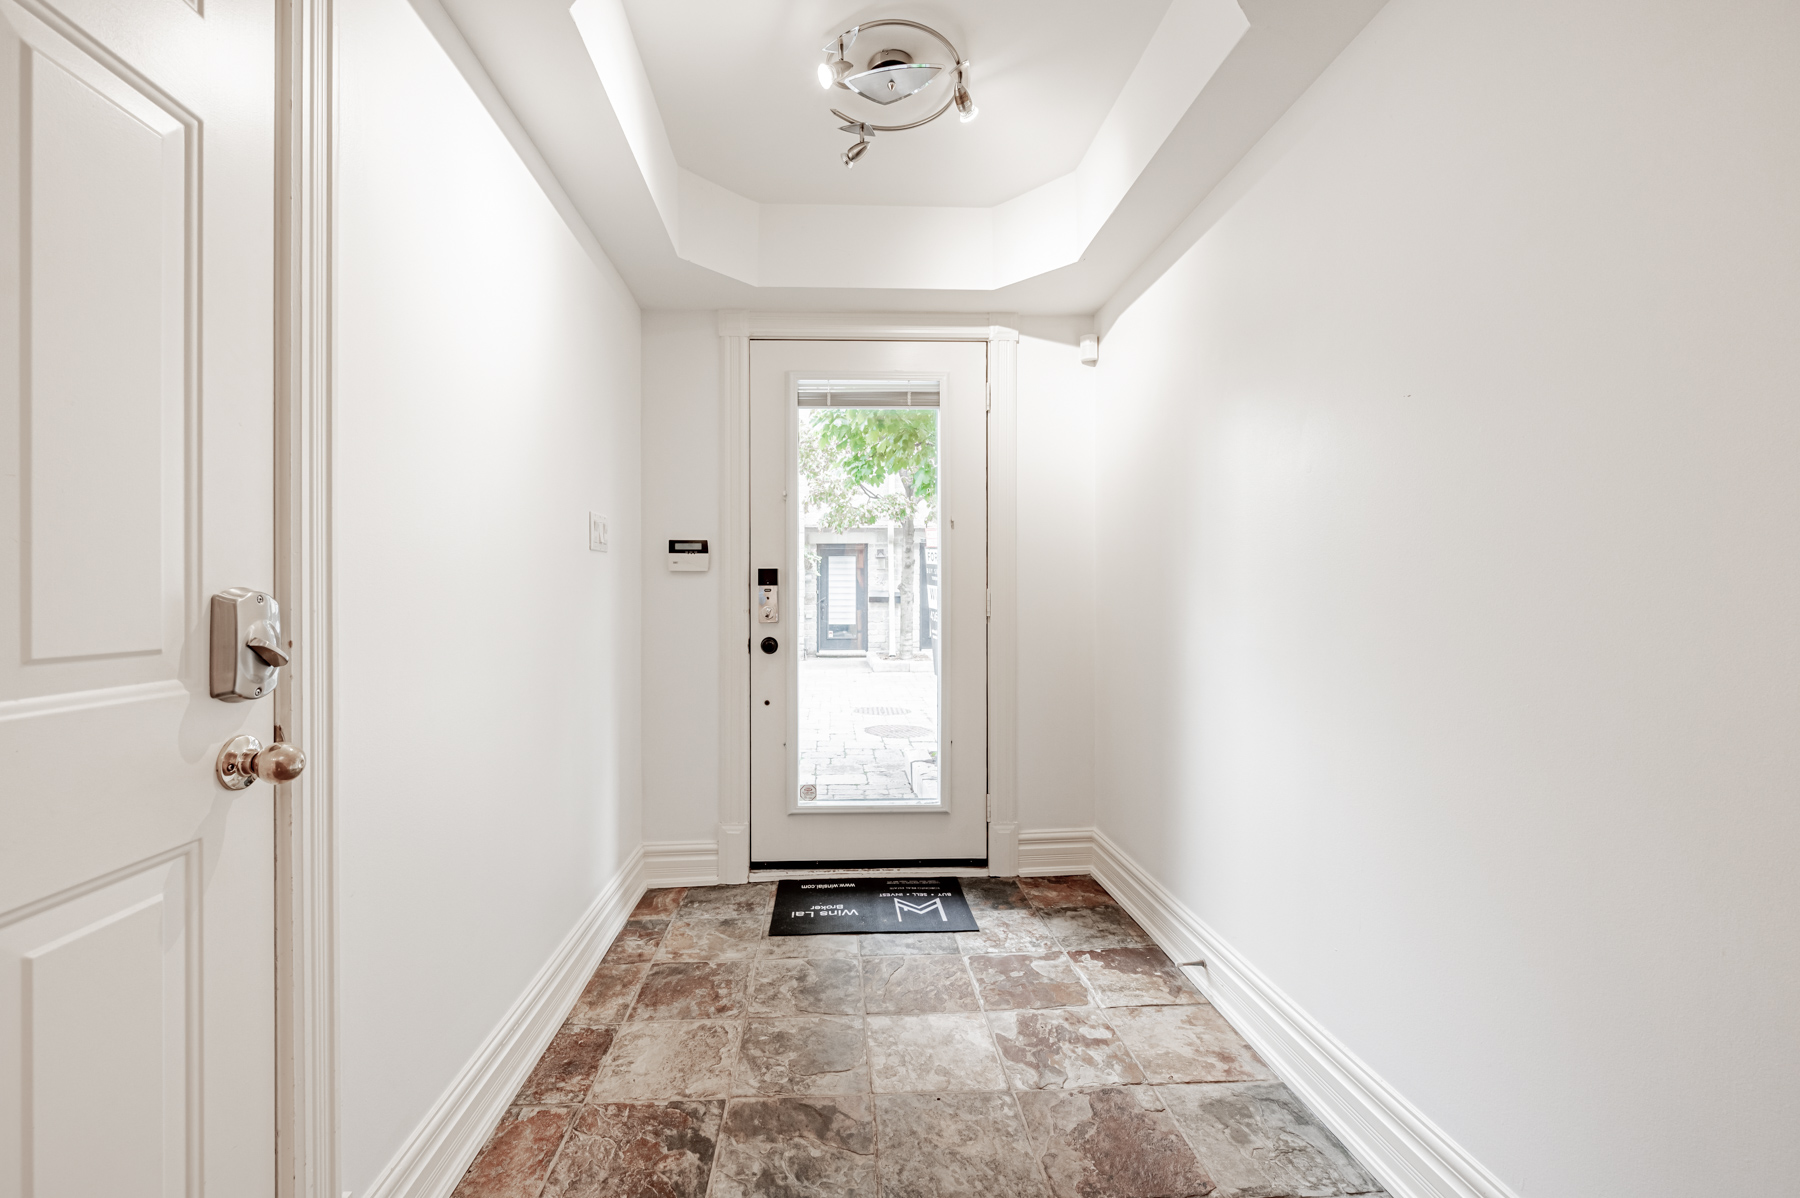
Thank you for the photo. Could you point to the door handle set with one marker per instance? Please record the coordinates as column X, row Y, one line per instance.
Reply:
column 244, row 759
column 247, row 657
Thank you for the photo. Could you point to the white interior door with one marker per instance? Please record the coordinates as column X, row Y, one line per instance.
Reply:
column 136, row 478
column 868, row 691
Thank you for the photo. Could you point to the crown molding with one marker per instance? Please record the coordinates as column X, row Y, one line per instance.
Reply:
column 865, row 326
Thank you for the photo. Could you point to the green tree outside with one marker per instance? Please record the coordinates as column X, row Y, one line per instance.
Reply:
column 866, row 466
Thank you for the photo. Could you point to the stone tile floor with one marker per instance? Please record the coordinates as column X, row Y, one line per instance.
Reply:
column 838, row 754
column 1056, row 1053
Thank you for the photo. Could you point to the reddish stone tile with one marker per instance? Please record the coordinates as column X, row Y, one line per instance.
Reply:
column 912, row 1054
column 816, row 1054
column 1135, row 977
column 916, row 985
column 608, row 996
column 955, row 1146
column 1187, row 1044
column 726, row 902
column 517, row 1156
column 807, row 986
column 732, row 939
column 909, row 944
column 988, row 895
column 567, row 1068
column 1257, row 1139
column 1094, row 927
column 797, row 1148
column 638, row 1150
column 1018, row 981
column 636, row 941
column 787, row 947
column 652, row 1062
column 1065, row 1049
column 1111, row 1143
column 1069, row 890
column 659, row 904
column 1008, row 932
column 691, row 990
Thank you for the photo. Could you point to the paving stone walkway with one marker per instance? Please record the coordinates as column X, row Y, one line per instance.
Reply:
column 839, row 754
column 1056, row 1053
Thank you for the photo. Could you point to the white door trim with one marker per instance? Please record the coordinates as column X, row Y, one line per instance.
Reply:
column 306, row 826
column 733, row 552
column 736, row 330
column 1003, row 624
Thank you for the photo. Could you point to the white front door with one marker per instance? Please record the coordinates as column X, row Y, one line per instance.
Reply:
column 868, row 691
column 136, row 479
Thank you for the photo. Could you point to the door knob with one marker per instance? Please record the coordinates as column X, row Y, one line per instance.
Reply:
column 243, row 760
column 770, row 644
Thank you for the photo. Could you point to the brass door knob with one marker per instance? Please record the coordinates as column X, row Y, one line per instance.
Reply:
column 243, row 760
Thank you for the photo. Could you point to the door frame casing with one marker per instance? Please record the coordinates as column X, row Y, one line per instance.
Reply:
column 737, row 329
column 306, row 990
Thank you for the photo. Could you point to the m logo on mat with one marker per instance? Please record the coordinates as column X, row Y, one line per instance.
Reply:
column 901, row 907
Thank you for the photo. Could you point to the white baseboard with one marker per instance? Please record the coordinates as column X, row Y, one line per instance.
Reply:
column 1046, row 852
column 1003, row 850
column 1409, row 1154
column 734, row 854
column 440, row 1149
column 681, row 863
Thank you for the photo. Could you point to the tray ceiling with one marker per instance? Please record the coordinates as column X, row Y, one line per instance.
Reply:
column 735, row 86
column 1087, row 181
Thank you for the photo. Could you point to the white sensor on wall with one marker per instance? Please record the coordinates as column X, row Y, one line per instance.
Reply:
column 689, row 554
column 596, row 532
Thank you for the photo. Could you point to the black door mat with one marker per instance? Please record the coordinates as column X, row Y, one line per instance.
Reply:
column 812, row 907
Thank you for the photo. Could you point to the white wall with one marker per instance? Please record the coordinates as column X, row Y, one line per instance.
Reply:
column 681, row 611
column 681, row 495
column 1056, row 582
column 488, row 738
column 1448, row 483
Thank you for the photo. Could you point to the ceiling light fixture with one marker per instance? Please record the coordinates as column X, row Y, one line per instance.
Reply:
column 891, row 76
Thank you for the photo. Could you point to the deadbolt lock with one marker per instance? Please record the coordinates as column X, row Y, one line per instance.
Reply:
column 247, row 647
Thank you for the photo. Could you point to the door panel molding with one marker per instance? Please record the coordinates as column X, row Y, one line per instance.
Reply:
column 109, row 245
column 91, row 990
column 135, row 349
column 306, row 809
column 737, row 329
column 108, row 696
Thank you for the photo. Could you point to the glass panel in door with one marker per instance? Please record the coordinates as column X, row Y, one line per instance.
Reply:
column 869, row 674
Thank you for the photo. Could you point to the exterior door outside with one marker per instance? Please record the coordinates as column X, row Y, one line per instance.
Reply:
column 843, row 608
column 868, row 495
column 137, row 920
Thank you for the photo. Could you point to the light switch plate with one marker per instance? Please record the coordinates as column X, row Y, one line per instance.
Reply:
column 596, row 532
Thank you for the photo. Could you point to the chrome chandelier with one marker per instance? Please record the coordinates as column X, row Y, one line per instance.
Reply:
column 891, row 75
